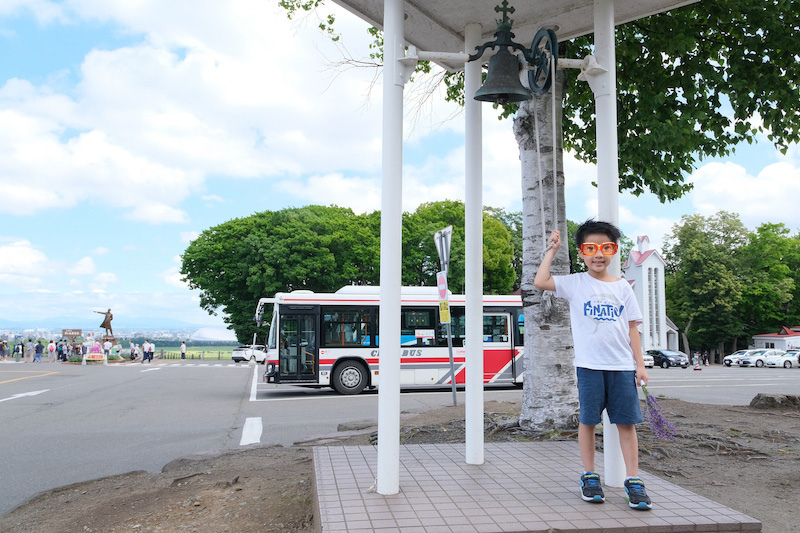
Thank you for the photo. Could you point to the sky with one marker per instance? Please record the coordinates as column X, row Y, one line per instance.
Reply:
column 127, row 128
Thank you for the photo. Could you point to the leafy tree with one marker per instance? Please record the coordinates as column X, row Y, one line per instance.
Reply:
column 691, row 83
column 768, row 265
column 315, row 248
column 421, row 261
column 704, row 290
column 323, row 249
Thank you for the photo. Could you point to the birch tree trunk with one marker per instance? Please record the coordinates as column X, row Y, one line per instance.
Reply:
column 550, row 395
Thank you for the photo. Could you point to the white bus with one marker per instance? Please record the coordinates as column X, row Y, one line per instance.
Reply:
column 324, row 339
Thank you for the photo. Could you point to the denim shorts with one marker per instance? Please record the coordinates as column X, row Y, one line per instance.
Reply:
column 612, row 390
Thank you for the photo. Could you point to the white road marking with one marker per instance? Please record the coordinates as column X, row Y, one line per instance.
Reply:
column 23, row 394
column 251, row 433
column 254, row 386
column 150, row 369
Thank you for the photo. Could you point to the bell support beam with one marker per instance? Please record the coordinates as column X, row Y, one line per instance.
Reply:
column 603, row 81
column 473, row 223
column 394, row 79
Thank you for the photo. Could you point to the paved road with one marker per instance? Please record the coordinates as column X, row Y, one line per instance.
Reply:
column 722, row 385
column 63, row 424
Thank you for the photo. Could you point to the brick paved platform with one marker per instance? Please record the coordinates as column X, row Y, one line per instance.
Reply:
column 521, row 487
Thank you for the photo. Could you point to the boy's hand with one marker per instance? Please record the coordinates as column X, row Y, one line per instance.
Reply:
column 555, row 240
column 641, row 377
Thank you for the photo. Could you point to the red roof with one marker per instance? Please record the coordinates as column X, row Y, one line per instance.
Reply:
column 784, row 332
column 639, row 257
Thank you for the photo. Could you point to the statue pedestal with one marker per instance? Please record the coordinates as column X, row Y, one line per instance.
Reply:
column 105, row 338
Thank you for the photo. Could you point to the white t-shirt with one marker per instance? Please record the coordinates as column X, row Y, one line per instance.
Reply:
column 600, row 312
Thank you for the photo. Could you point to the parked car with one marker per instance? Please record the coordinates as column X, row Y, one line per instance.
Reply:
column 668, row 358
column 785, row 360
column 733, row 358
column 253, row 352
column 649, row 362
column 758, row 357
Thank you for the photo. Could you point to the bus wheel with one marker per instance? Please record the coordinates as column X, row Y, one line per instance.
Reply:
column 350, row 377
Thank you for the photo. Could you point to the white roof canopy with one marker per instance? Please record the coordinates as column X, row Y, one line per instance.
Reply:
column 438, row 25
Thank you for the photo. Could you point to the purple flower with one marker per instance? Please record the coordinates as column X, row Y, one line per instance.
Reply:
column 661, row 427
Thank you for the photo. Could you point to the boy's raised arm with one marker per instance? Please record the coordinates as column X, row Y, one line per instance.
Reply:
column 543, row 279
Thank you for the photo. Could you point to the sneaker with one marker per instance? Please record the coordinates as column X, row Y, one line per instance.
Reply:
column 591, row 490
column 636, row 494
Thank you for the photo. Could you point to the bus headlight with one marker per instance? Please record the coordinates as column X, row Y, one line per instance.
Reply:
column 270, row 372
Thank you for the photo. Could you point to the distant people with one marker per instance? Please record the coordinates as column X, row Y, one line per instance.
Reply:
column 3, row 350
column 107, row 322
column 183, row 350
column 51, row 351
column 84, row 349
column 107, row 348
column 145, row 351
column 29, row 347
column 134, row 352
column 96, row 348
column 38, row 350
column 152, row 350
column 705, row 359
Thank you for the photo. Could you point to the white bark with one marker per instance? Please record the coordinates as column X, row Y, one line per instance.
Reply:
column 550, row 395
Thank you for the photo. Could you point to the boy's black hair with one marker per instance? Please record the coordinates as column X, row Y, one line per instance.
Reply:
column 595, row 226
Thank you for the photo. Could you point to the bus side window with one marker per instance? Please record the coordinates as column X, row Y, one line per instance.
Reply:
column 346, row 327
column 457, row 328
column 417, row 327
column 495, row 328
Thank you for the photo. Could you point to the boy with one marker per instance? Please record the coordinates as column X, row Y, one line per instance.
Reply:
column 608, row 352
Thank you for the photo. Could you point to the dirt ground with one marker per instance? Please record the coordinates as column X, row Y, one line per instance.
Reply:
column 743, row 457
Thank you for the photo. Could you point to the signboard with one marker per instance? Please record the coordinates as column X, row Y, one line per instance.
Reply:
column 442, row 240
column 71, row 333
column 444, row 303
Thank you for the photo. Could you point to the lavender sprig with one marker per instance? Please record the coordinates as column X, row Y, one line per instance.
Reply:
column 661, row 427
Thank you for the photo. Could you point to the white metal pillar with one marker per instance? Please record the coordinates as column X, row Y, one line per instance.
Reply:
column 388, row 481
column 605, row 94
column 474, row 253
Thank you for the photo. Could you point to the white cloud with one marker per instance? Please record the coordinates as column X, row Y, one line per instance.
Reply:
column 100, row 250
column 84, row 267
column 172, row 275
column 103, row 279
column 156, row 213
column 768, row 197
column 189, row 236
column 213, row 198
column 22, row 266
column 149, row 122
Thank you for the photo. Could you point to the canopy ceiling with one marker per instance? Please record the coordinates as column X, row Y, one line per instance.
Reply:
column 438, row 25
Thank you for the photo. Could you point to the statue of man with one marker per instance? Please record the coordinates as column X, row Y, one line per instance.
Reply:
column 107, row 322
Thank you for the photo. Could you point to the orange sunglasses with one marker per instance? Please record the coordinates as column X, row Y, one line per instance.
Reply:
column 606, row 248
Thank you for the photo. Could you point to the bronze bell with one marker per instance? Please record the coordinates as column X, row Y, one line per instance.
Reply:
column 502, row 80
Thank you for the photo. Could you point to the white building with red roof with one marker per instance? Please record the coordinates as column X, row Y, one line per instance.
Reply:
column 644, row 270
column 784, row 339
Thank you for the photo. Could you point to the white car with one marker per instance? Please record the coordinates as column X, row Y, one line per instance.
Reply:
column 649, row 362
column 253, row 352
column 785, row 360
column 733, row 358
column 758, row 358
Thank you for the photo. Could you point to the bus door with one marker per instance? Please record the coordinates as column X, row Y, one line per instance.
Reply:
column 498, row 348
column 298, row 358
